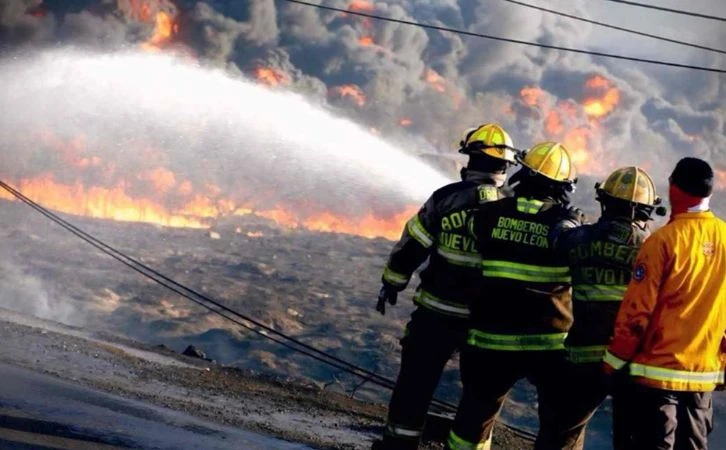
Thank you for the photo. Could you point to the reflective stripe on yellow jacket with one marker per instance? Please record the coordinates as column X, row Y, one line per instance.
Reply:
column 672, row 320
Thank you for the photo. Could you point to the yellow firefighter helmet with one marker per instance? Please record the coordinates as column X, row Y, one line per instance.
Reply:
column 631, row 184
column 490, row 139
column 552, row 160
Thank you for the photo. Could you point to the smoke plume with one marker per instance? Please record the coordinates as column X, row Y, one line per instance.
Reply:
column 422, row 88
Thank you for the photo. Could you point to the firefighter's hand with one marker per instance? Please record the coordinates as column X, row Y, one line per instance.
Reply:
column 386, row 294
column 575, row 213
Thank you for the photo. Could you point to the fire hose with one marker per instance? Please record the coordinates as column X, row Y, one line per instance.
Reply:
column 230, row 314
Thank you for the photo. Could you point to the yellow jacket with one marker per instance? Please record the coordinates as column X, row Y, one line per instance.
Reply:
column 672, row 320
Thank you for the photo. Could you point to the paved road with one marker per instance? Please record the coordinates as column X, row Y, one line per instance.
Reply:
column 41, row 412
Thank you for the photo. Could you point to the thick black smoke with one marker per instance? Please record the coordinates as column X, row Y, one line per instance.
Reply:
column 662, row 114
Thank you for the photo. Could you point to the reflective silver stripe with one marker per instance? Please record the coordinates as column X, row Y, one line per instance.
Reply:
column 397, row 430
column 598, row 292
column 516, row 342
column 613, row 361
column 457, row 443
column 416, row 229
column 460, row 258
column 673, row 375
column 427, row 300
column 586, row 354
column 395, row 278
column 525, row 272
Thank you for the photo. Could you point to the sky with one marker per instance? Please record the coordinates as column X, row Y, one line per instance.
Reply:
column 420, row 89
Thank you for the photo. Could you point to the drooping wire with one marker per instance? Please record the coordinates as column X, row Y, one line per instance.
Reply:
column 617, row 27
column 226, row 312
column 510, row 40
column 670, row 10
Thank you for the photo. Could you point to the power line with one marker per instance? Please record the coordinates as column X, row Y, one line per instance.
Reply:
column 616, row 27
column 228, row 313
column 670, row 10
column 510, row 40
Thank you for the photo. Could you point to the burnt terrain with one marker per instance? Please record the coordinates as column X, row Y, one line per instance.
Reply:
column 317, row 287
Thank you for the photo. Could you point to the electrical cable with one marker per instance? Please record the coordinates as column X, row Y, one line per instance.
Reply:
column 510, row 40
column 617, row 27
column 226, row 312
column 670, row 10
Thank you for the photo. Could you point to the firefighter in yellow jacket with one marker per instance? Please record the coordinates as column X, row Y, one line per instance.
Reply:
column 670, row 327
column 438, row 326
column 601, row 257
column 518, row 328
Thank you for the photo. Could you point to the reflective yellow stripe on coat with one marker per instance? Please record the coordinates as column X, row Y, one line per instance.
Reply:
column 586, row 354
column 395, row 278
column 598, row 292
column 524, row 342
column 525, row 272
column 418, row 231
column 427, row 300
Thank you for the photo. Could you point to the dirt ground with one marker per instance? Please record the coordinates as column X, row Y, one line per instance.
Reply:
column 289, row 409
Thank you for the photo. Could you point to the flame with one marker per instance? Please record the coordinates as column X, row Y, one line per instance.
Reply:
column 602, row 97
column 532, row 95
column 105, row 203
column 720, row 179
column 164, row 29
column 361, row 5
column 115, row 203
column 159, row 12
column 352, row 91
column 159, row 196
column 370, row 225
column 576, row 141
column 405, row 121
column 255, row 234
column 271, row 77
column 366, row 41
column 577, row 127
column 435, row 80
column 553, row 123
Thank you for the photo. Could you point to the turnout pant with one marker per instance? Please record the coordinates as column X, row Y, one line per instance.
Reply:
column 581, row 389
column 488, row 375
column 427, row 346
column 666, row 420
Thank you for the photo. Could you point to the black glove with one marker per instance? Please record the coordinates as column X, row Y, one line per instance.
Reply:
column 386, row 294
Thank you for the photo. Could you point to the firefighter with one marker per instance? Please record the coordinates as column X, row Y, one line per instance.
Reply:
column 437, row 326
column 601, row 257
column 519, row 330
column 668, row 337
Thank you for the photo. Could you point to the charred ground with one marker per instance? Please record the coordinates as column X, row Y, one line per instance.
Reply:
column 318, row 287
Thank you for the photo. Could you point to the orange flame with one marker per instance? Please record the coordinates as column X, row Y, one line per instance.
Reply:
column 577, row 142
column 271, row 77
column 352, row 91
column 361, row 5
column 532, row 95
column 106, row 203
column 720, row 179
column 435, row 80
column 255, row 234
column 117, row 204
column 602, row 97
column 366, row 41
column 370, row 225
column 405, row 121
column 576, row 127
column 159, row 12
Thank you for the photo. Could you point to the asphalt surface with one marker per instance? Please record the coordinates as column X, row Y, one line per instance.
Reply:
column 41, row 412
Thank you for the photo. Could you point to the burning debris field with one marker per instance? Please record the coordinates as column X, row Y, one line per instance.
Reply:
column 266, row 154
column 316, row 287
